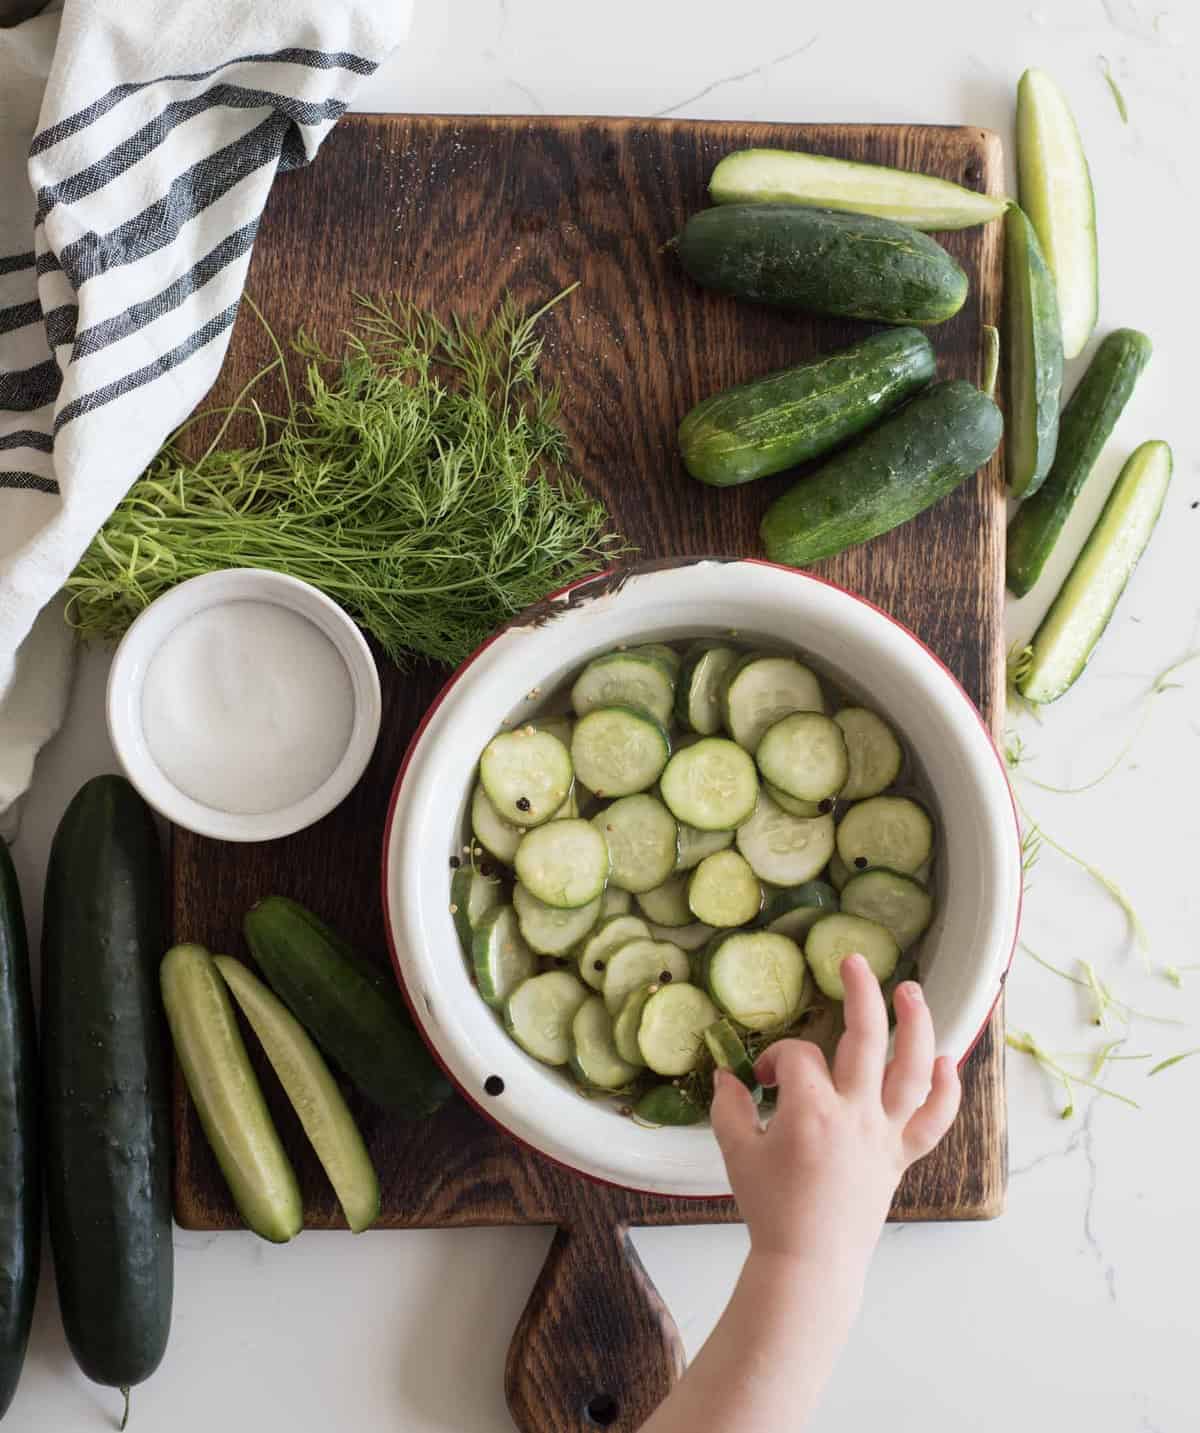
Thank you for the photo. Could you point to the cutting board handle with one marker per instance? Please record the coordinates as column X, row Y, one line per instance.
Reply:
column 596, row 1347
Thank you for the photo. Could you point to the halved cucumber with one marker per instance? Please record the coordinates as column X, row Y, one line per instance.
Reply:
column 527, row 775
column 784, row 849
column 550, row 930
column 539, row 1014
column 608, row 937
column 763, row 690
column 795, row 807
column 794, row 910
column 787, row 176
column 615, row 902
column 594, row 1057
column 889, row 831
column 686, row 937
column 642, row 962
column 564, row 863
column 1087, row 599
column 627, row 1020
column 712, row 785
column 757, row 978
column 500, row 956
column 897, row 902
column 472, row 896
column 667, row 905
column 724, row 891
column 496, row 835
column 728, row 1053
column 1056, row 193
column 671, row 1032
column 695, row 844
column 618, row 750
column 667, row 1105
column 805, row 755
column 1033, row 361
column 313, row 1091
column 875, row 755
column 701, row 682
column 638, row 679
column 642, row 840
column 839, row 872
column 835, row 937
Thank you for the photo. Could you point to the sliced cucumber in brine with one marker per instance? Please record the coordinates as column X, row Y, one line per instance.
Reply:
column 641, row 836
column 560, row 726
column 594, row 1059
column 728, row 1053
column 551, row 930
column 805, row 755
column 659, row 651
column 875, row 755
column 618, row 751
column 694, row 845
column 686, row 937
column 839, row 872
column 758, row 979
column 500, row 956
column 667, row 905
column 793, row 911
column 712, row 785
column 626, row 1023
column 615, row 902
column 782, row 849
column 472, row 895
column 701, row 683
column 795, row 807
column 671, row 1031
column 626, row 679
column 608, row 937
column 667, row 1105
column 895, row 901
column 762, row 690
column 888, row 831
column 564, row 863
column 527, row 775
column 496, row 835
column 835, row 937
column 642, row 962
column 539, row 1014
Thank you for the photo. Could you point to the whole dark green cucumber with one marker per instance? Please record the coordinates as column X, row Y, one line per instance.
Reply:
column 800, row 413
column 20, row 1168
column 824, row 260
column 361, row 1025
column 105, row 1084
column 1086, row 423
column 890, row 475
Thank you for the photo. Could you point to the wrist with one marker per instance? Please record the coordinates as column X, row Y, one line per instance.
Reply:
column 785, row 1276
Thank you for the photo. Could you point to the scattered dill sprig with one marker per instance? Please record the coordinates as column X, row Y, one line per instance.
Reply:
column 1100, row 991
column 1114, row 89
column 1024, row 1042
column 420, row 480
column 1175, row 973
column 1173, row 1060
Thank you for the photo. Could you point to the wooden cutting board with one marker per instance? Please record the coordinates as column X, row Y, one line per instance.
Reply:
column 451, row 212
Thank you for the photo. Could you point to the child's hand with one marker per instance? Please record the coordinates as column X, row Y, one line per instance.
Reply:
column 816, row 1184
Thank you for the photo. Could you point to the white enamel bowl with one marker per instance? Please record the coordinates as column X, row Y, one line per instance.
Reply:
column 964, row 955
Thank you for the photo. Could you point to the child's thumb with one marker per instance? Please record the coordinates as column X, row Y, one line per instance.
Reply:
column 734, row 1115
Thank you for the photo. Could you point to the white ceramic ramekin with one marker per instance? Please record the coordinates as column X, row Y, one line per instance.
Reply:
column 964, row 956
column 146, row 636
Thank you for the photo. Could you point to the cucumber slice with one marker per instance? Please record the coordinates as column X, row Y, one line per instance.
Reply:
column 667, row 905
column 615, row 902
column 1033, row 361
column 757, row 978
column 724, row 891
column 795, row 807
column 313, row 1092
column 786, row 176
column 694, row 845
column 626, row 679
column 667, row 1105
column 671, row 1033
column 642, row 841
column 763, row 690
column 628, row 1018
column 608, row 937
column 1087, row 599
column 564, row 863
column 712, row 785
column 876, row 757
column 888, row 831
column 784, row 849
column 594, row 1058
column 895, row 901
column 526, row 774
column 540, row 1012
column 472, row 896
column 618, row 751
column 793, row 911
column 835, row 937
column 839, row 872
column 659, row 651
column 560, row 726
column 642, row 962
column 728, row 1053
column 686, row 937
column 500, row 957
column 805, row 755
column 551, row 930
column 1056, row 193
column 701, row 682
column 496, row 835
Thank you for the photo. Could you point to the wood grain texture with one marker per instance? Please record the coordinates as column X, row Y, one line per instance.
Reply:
column 452, row 212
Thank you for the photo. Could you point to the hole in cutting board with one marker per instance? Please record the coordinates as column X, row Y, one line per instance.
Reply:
column 494, row 1085
column 602, row 1410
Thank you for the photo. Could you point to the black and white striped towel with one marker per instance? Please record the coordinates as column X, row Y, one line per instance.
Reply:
column 138, row 142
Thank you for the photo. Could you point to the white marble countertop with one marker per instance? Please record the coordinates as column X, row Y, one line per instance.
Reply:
column 1077, row 1308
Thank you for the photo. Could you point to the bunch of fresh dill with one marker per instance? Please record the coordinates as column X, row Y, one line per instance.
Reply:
column 421, row 482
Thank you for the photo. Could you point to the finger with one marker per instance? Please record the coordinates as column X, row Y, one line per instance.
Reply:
column 797, row 1068
column 906, row 1082
column 936, row 1115
column 734, row 1117
column 862, row 1050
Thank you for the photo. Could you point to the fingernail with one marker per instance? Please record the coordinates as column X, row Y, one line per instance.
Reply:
column 913, row 992
column 854, row 958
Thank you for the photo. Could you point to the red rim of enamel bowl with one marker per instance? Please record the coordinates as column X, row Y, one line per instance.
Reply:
column 517, row 620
